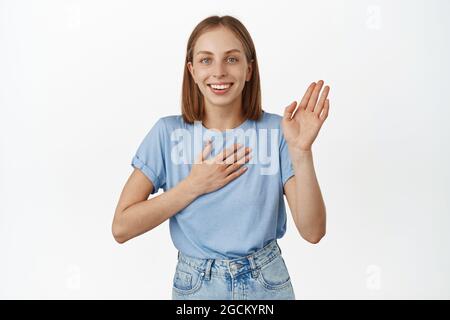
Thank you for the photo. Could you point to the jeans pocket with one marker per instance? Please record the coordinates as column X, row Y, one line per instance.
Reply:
column 187, row 280
column 274, row 275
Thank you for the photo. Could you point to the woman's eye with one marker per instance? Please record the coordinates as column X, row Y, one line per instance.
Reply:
column 232, row 58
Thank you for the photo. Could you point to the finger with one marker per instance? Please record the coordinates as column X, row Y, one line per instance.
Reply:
column 205, row 152
column 315, row 95
column 322, row 99
column 325, row 110
column 289, row 110
column 230, row 169
column 222, row 155
column 237, row 155
column 235, row 174
column 307, row 95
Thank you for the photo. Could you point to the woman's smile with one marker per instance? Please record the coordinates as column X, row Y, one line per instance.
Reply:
column 220, row 89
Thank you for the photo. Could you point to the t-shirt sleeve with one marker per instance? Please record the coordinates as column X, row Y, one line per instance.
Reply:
column 287, row 169
column 149, row 157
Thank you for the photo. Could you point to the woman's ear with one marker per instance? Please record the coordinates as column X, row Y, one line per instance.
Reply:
column 191, row 70
column 249, row 70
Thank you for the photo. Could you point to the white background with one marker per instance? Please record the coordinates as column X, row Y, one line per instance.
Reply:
column 82, row 82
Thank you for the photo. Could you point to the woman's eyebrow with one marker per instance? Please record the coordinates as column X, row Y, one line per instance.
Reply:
column 226, row 52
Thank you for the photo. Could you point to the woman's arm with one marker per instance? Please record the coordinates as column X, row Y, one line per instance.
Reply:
column 135, row 215
column 305, row 199
column 301, row 125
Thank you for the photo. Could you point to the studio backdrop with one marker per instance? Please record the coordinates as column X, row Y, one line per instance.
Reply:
column 82, row 82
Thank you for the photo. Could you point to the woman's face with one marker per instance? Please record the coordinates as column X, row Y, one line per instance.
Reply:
column 213, row 64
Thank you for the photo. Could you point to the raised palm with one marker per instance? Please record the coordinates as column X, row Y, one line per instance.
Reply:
column 301, row 126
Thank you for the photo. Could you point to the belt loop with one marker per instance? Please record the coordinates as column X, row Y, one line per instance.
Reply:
column 278, row 246
column 253, row 266
column 208, row 269
column 178, row 257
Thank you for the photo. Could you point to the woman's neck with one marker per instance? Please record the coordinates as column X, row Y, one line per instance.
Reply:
column 223, row 117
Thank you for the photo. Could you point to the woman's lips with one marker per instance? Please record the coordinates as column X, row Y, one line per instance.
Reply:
column 218, row 91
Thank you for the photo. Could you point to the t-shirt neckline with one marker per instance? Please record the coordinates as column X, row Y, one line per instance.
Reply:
column 241, row 126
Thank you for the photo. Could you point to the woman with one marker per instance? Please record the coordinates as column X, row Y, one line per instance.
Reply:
column 225, row 217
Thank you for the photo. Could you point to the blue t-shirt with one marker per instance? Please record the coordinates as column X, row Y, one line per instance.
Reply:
column 237, row 219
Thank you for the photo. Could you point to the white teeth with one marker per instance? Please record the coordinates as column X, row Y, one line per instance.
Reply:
column 221, row 87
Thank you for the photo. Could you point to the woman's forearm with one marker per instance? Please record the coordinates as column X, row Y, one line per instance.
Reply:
column 146, row 215
column 310, row 208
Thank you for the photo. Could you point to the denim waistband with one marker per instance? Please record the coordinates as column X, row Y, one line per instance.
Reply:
column 236, row 266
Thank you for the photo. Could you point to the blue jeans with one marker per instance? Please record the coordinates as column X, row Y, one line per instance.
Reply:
column 262, row 275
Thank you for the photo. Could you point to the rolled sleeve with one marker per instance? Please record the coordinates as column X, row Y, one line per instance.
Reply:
column 287, row 169
column 149, row 157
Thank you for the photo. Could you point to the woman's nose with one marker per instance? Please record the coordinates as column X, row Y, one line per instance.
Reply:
column 219, row 70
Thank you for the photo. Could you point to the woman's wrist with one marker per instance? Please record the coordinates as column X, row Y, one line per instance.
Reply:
column 190, row 189
column 298, row 152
